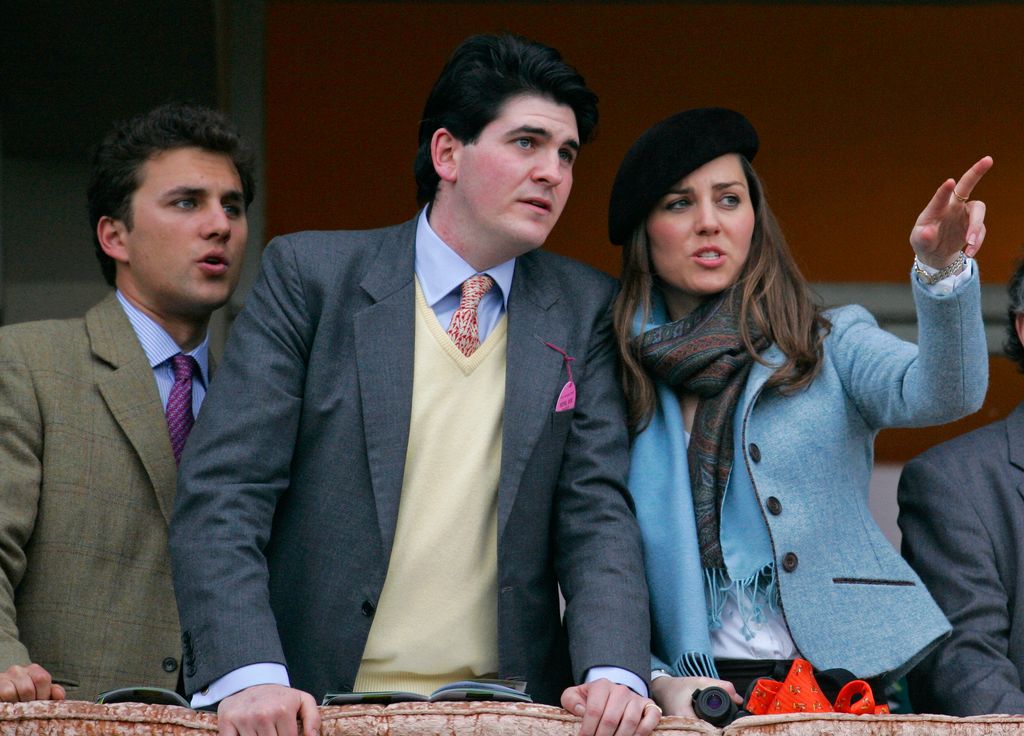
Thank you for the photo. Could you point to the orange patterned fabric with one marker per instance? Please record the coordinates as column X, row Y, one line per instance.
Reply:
column 864, row 706
column 800, row 693
column 464, row 330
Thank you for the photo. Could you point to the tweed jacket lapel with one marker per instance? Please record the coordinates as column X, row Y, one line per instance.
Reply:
column 384, row 337
column 759, row 374
column 129, row 390
column 534, row 373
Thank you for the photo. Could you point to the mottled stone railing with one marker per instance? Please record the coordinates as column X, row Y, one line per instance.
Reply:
column 76, row 718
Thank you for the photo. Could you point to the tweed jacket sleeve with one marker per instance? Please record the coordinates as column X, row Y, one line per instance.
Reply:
column 20, row 473
column 894, row 383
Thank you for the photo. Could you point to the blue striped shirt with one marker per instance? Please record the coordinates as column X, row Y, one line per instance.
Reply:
column 160, row 347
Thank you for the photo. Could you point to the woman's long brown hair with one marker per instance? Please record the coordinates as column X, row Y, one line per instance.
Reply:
column 777, row 302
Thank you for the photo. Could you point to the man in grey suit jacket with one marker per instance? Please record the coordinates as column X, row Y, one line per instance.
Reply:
column 87, row 466
column 290, row 501
column 962, row 518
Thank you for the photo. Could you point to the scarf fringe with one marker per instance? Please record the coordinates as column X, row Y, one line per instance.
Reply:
column 752, row 594
column 697, row 664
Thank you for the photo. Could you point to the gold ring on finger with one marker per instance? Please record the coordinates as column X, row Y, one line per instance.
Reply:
column 651, row 704
column 959, row 196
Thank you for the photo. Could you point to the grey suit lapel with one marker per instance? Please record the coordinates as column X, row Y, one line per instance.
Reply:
column 129, row 391
column 384, row 338
column 1015, row 440
column 534, row 373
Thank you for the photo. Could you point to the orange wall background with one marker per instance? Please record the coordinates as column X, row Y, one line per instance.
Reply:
column 862, row 110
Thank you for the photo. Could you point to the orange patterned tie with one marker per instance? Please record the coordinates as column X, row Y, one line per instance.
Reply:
column 464, row 330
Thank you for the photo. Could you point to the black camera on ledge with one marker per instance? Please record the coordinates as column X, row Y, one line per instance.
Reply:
column 713, row 704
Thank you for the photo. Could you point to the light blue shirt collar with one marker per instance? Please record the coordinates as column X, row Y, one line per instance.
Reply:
column 158, row 345
column 441, row 270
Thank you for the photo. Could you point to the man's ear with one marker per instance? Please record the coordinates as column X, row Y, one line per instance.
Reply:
column 444, row 152
column 111, row 234
column 1018, row 324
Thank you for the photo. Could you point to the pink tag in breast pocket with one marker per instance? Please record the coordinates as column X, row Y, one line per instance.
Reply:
column 567, row 398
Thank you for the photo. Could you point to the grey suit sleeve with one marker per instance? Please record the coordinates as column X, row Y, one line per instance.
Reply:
column 598, row 554
column 235, row 467
column 20, row 476
column 951, row 548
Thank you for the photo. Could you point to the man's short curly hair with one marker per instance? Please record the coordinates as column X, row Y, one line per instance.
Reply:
column 120, row 157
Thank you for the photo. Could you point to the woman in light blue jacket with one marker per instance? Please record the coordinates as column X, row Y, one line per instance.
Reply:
column 754, row 414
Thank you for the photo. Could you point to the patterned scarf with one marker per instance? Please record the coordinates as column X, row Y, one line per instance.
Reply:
column 703, row 354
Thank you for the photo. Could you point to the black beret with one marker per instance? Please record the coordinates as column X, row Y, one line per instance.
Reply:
column 666, row 153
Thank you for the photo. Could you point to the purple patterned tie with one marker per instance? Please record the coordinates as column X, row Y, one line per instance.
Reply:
column 464, row 329
column 179, row 403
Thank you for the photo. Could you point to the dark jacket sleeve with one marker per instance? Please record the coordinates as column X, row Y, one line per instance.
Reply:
column 598, row 548
column 235, row 467
column 952, row 535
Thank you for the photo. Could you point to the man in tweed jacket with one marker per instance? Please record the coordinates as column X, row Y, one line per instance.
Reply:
column 87, row 472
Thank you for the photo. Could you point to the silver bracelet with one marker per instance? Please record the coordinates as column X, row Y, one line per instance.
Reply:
column 953, row 269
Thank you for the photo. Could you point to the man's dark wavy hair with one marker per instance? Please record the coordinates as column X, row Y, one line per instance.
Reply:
column 482, row 74
column 1015, row 290
column 119, row 159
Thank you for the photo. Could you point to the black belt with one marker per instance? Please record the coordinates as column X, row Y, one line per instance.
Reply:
column 743, row 673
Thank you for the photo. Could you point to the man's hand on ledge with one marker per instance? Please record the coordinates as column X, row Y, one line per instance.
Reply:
column 608, row 709
column 268, row 710
column 20, row 683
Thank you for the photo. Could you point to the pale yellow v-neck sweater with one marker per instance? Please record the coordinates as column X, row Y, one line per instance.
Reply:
column 437, row 618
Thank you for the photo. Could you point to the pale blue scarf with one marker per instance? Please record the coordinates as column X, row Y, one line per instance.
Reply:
column 686, row 600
